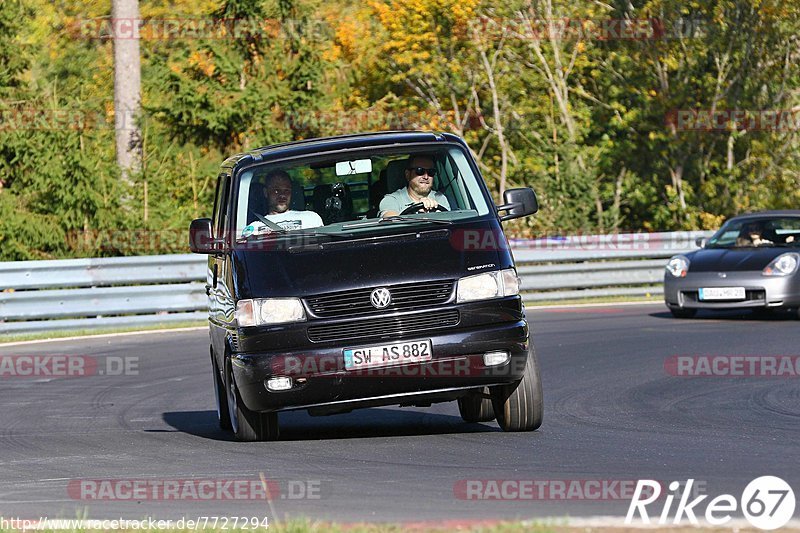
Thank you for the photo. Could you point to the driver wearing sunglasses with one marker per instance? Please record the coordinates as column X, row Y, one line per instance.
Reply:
column 419, row 173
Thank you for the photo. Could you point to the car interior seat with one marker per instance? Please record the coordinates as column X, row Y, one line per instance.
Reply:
column 395, row 175
column 377, row 190
column 333, row 202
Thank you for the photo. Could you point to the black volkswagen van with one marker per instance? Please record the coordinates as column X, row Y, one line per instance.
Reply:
column 330, row 288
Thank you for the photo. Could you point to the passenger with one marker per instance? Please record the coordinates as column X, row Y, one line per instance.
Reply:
column 419, row 174
column 278, row 193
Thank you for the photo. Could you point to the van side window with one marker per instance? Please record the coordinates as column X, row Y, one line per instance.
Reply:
column 221, row 204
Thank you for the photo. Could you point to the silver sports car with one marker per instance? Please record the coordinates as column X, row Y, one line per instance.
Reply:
column 751, row 262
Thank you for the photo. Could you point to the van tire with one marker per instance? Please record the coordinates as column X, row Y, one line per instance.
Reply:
column 223, row 414
column 476, row 407
column 518, row 406
column 247, row 425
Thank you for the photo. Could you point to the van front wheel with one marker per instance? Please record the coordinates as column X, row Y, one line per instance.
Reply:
column 518, row 406
column 476, row 407
column 247, row 425
column 223, row 413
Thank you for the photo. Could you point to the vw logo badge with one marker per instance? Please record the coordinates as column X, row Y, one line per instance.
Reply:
column 722, row 274
column 380, row 298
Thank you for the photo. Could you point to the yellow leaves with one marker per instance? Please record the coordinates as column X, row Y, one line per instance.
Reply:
column 710, row 220
column 671, row 62
column 416, row 25
column 109, row 110
column 203, row 62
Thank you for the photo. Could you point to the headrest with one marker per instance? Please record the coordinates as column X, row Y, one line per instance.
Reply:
column 298, row 202
column 395, row 175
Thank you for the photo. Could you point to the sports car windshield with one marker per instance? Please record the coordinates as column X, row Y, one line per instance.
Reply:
column 358, row 192
column 756, row 233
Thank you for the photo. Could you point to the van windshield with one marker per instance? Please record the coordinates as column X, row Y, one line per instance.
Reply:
column 330, row 194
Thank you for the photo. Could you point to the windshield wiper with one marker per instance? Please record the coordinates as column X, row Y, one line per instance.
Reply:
column 397, row 218
column 294, row 235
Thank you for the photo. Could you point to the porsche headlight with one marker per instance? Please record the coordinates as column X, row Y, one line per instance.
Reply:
column 266, row 311
column 783, row 265
column 678, row 266
column 488, row 285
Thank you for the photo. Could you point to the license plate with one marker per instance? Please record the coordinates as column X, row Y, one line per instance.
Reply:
column 722, row 293
column 387, row 354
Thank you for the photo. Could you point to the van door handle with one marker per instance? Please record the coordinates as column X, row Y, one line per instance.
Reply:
column 208, row 290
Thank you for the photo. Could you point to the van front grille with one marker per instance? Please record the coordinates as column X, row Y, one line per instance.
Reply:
column 384, row 326
column 404, row 297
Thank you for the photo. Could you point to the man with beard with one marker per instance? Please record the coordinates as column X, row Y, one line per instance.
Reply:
column 419, row 173
column 278, row 194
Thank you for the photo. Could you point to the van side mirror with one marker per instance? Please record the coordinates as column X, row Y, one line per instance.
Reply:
column 701, row 242
column 201, row 237
column 519, row 202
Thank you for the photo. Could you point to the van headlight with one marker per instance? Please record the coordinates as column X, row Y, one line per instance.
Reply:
column 783, row 265
column 488, row 285
column 266, row 311
column 678, row 266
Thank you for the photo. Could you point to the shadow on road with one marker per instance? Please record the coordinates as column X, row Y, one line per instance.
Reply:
column 735, row 314
column 364, row 423
column 198, row 423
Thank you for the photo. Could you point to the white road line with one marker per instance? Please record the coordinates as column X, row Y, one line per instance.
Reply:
column 104, row 335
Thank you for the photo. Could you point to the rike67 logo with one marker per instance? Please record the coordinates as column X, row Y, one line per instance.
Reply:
column 767, row 502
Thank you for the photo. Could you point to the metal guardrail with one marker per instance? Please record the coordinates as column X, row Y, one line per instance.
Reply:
column 88, row 294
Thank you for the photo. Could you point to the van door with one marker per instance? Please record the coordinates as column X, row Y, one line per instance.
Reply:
column 218, row 297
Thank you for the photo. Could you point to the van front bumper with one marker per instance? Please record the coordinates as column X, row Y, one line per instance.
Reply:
column 321, row 383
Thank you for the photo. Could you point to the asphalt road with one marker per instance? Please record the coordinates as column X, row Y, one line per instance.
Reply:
column 613, row 414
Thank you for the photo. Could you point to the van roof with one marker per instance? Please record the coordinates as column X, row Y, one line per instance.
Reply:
column 341, row 142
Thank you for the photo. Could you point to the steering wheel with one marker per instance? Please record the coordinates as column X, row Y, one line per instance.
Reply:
column 419, row 207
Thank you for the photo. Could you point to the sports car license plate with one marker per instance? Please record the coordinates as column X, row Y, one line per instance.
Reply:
column 387, row 354
column 722, row 293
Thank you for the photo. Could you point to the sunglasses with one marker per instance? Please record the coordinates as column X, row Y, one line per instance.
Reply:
column 421, row 171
